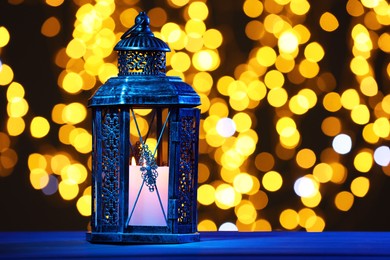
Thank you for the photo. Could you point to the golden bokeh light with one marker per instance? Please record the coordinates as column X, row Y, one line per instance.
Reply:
column 51, row 27
column 272, row 181
column 277, row 117
column 329, row 22
column 39, row 127
column 344, row 200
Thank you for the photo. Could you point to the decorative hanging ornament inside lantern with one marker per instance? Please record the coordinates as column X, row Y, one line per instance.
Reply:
column 145, row 130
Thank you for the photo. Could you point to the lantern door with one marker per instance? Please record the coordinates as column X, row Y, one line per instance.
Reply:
column 148, row 175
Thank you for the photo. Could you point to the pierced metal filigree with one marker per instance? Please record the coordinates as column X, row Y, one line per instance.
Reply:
column 141, row 63
column 148, row 167
column 110, row 168
column 186, row 169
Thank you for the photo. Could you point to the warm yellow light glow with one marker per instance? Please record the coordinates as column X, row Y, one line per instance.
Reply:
column 84, row 205
column 272, row 181
column 304, row 215
column 274, row 79
column 212, row 38
column 226, row 197
column 158, row 16
column 195, row 29
column 207, row 225
column 369, row 86
column 246, row 213
column 360, row 114
column 370, row 3
column 205, row 60
column 312, row 201
column 253, row 8
column 17, row 107
column 4, row 37
column 360, row 186
column 299, row 7
column 72, row 82
column 360, row 66
column 15, row 92
column 15, row 126
column 384, row 42
column 314, row 52
column 381, row 127
column 369, row 134
column 206, row 194
column 306, row 158
column 315, row 224
column 76, row 49
column 264, row 161
column 289, row 219
column 39, row 178
column 308, row 69
column 198, row 10
column 266, row 56
column 39, row 127
column 323, row 172
column 288, row 42
column 339, row 173
column 51, row 27
column 286, row 126
column 74, row 113
column 68, row 189
column 344, row 200
column 277, row 97
column 284, row 63
column 59, row 162
column 6, row 74
column 355, row 8
column 331, row 126
column 180, row 61
column 243, row 183
column 363, row 161
column 350, row 99
column 329, row 22
column 332, row 102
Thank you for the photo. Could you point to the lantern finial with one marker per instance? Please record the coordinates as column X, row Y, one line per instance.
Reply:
column 141, row 26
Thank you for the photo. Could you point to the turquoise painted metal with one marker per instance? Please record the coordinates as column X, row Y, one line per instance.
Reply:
column 138, row 109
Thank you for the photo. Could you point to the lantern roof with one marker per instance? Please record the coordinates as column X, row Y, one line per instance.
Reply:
column 141, row 81
column 146, row 91
column 140, row 37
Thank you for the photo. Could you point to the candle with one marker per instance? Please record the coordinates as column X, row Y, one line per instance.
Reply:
column 147, row 211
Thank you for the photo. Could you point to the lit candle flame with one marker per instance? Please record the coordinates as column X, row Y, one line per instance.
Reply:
column 133, row 163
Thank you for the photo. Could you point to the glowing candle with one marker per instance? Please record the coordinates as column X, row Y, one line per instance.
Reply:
column 146, row 210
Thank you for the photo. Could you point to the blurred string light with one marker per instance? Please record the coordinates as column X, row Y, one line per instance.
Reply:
column 284, row 71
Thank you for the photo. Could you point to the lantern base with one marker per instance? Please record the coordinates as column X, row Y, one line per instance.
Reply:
column 141, row 238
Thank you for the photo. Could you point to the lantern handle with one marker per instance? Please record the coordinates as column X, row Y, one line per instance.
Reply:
column 141, row 26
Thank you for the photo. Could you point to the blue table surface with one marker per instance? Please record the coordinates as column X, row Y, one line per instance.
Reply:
column 215, row 245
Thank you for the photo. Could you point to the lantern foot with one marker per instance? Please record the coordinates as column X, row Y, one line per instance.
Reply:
column 141, row 238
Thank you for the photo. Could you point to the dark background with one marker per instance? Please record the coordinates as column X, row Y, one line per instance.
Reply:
column 30, row 55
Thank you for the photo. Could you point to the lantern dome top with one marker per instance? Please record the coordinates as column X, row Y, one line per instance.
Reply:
column 141, row 79
column 140, row 37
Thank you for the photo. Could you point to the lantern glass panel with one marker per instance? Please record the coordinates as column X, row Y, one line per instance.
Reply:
column 148, row 167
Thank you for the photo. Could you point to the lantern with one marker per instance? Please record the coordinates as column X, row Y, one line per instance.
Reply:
column 145, row 130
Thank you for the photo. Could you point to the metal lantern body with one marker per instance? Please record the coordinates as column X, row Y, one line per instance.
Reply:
column 149, row 118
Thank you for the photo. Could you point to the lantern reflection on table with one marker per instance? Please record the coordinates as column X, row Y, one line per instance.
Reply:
column 150, row 118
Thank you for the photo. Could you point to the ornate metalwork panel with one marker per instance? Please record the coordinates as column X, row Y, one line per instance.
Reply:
column 141, row 63
column 187, row 167
column 110, row 167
